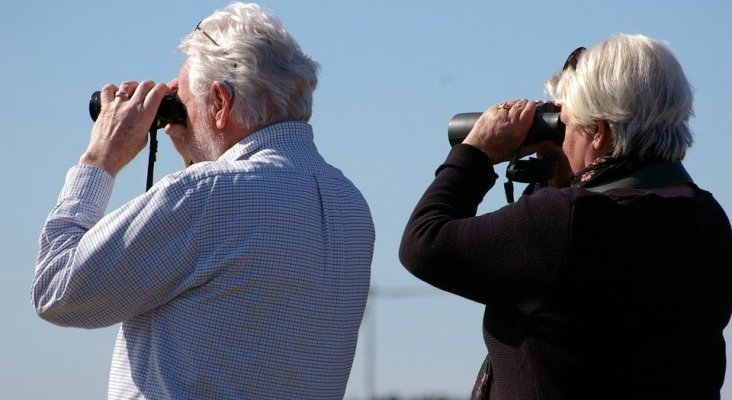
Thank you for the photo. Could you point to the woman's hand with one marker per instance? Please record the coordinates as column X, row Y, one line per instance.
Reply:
column 501, row 129
column 552, row 151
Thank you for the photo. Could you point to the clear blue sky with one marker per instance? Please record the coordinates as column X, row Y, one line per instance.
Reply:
column 393, row 74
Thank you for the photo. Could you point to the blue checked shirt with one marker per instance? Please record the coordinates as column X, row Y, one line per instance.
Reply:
column 243, row 278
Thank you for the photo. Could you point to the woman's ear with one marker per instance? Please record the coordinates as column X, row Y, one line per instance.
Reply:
column 602, row 139
column 222, row 102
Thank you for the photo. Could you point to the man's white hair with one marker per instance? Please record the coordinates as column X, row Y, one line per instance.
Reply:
column 250, row 49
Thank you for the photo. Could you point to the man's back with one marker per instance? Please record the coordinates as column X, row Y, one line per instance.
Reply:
column 256, row 276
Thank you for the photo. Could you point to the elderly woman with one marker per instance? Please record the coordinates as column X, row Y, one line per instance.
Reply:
column 612, row 281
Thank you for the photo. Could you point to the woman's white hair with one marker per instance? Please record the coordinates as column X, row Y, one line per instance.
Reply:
column 635, row 85
column 250, row 49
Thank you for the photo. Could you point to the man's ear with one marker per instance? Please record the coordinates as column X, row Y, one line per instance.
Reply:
column 602, row 139
column 223, row 99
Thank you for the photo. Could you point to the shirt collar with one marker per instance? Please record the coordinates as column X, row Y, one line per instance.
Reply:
column 272, row 136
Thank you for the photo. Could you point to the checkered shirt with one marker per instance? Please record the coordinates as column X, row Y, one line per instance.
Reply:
column 242, row 278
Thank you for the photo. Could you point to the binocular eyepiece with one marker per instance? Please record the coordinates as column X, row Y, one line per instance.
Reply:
column 171, row 110
column 546, row 126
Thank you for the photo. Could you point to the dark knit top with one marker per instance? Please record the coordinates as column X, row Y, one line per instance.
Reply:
column 615, row 295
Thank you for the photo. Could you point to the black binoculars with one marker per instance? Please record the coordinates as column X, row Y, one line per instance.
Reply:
column 171, row 110
column 546, row 125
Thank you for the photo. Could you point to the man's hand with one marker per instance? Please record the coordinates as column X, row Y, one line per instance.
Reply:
column 121, row 129
column 179, row 133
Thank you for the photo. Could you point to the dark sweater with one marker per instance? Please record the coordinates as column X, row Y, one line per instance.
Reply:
column 615, row 295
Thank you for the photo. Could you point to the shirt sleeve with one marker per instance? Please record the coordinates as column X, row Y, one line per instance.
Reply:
column 94, row 270
column 500, row 257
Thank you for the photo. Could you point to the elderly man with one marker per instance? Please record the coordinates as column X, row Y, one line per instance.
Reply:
column 243, row 276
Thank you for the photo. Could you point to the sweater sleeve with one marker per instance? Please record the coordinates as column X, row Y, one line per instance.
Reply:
column 500, row 257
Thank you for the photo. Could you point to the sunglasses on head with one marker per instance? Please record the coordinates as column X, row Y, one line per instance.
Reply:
column 573, row 58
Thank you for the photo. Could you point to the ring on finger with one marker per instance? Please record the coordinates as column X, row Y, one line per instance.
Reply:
column 504, row 106
column 122, row 94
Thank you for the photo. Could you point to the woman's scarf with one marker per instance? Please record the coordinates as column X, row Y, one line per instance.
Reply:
column 605, row 169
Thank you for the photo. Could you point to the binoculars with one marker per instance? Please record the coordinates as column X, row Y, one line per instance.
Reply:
column 546, row 126
column 171, row 110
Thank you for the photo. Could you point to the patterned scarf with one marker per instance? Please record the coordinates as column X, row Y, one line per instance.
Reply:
column 604, row 169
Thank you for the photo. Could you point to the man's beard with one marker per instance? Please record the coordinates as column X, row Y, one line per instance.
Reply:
column 207, row 145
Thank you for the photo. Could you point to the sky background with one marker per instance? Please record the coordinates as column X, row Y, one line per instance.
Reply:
column 393, row 74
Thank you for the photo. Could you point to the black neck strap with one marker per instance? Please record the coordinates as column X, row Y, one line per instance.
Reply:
column 649, row 177
column 151, row 157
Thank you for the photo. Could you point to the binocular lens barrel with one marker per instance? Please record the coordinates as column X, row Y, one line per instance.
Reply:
column 171, row 110
column 546, row 126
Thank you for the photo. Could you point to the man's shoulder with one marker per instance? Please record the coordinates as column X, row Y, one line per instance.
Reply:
column 269, row 173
